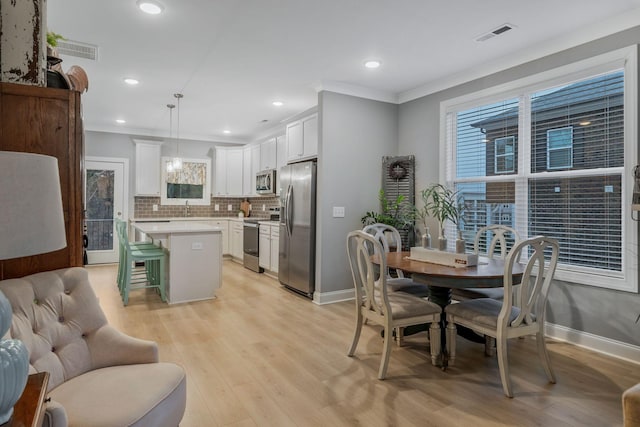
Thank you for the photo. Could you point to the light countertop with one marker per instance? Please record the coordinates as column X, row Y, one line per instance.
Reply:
column 174, row 227
column 193, row 218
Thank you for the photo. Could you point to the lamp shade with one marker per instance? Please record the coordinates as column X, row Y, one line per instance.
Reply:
column 31, row 216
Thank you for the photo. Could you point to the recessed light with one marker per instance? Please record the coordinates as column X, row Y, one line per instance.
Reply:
column 131, row 81
column 372, row 63
column 227, row 131
column 151, row 7
column 121, row 121
column 277, row 103
column 585, row 123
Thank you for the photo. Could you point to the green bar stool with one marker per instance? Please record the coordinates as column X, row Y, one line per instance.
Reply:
column 131, row 277
column 151, row 276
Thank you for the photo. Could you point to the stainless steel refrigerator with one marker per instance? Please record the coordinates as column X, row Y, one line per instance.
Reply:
column 297, row 253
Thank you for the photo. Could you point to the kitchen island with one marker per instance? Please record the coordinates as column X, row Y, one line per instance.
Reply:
column 195, row 257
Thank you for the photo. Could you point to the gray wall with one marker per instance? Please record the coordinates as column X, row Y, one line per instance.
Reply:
column 354, row 135
column 601, row 312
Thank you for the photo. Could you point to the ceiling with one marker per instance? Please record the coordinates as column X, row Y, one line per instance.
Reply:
column 232, row 58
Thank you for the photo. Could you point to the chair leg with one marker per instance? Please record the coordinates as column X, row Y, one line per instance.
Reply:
column 399, row 336
column 544, row 357
column 451, row 342
column 386, row 351
column 434, row 342
column 489, row 345
column 356, row 335
column 161, row 277
column 126, row 284
column 503, row 364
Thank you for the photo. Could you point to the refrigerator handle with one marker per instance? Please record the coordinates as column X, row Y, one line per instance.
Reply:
column 290, row 210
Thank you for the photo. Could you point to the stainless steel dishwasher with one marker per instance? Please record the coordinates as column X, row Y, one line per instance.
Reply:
column 251, row 245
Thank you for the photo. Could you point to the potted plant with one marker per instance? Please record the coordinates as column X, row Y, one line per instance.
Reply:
column 397, row 213
column 443, row 204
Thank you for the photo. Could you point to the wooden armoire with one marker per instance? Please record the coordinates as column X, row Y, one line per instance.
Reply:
column 47, row 121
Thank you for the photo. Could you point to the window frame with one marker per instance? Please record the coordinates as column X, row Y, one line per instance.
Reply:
column 568, row 147
column 512, row 155
column 625, row 59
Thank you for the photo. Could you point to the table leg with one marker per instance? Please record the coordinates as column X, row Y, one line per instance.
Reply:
column 442, row 297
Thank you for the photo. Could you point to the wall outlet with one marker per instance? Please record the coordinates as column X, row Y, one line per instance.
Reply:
column 216, row 207
column 155, row 208
column 338, row 211
column 196, row 246
column 264, row 207
column 250, row 206
column 229, row 207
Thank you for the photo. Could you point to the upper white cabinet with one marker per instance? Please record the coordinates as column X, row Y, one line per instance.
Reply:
column 255, row 167
column 281, row 158
column 228, row 172
column 302, row 139
column 147, row 167
column 268, row 154
column 248, row 182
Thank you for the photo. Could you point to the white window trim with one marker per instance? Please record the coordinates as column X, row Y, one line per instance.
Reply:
column 626, row 58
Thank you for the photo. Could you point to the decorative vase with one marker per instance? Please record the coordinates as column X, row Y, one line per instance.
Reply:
column 14, row 364
column 460, row 243
column 442, row 240
column 426, row 239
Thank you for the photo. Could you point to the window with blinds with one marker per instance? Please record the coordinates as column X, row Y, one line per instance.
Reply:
column 549, row 161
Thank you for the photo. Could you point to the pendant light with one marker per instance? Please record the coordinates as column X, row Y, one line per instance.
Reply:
column 170, row 107
column 177, row 161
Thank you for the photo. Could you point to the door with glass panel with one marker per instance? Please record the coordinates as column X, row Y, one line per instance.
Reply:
column 104, row 201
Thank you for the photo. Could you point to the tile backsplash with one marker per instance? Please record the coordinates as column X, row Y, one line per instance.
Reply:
column 143, row 207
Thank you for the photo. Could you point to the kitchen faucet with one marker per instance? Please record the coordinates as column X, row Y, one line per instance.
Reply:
column 186, row 208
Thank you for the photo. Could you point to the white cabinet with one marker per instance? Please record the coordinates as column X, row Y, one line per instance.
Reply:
column 281, row 158
column 264, row 250
column 255, row 166
column 234, row 172
column 269, row 244
column 235, row 239
column 147, row 168
column 275, row 246
column 228, row 172
column 248, row 183
column 223, row 224
column 268, row 154
column 302, row 139
column 220, row 173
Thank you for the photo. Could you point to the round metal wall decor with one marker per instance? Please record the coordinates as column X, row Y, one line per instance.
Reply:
column 397, row 170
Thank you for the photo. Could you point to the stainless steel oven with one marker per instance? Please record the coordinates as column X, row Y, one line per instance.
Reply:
column 251, row 245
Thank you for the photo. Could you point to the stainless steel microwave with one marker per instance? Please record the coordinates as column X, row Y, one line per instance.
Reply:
column 266, row 182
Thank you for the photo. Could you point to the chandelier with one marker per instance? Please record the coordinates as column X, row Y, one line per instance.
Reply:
column 176, row 163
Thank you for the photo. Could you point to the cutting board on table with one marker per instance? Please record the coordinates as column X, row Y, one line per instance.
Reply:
column 244, row 207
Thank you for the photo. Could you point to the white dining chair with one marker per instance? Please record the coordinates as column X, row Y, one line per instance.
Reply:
column 390, row 239
column 492, row 241
column 522, row 315
column 375, row 303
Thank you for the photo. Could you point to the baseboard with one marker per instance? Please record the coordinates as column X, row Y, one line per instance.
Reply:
column 619, row 349
column 321, row 298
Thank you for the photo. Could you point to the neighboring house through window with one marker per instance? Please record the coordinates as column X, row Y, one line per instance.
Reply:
column 548, row 158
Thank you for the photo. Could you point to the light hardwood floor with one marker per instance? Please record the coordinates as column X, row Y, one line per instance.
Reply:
column 259, row 355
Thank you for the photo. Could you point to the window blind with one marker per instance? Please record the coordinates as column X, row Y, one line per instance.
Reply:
column 548, row 162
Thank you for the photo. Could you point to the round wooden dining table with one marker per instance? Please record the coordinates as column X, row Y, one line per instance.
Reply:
column 489, row 273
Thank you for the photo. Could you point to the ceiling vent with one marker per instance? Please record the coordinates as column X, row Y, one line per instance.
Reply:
column 495, row 32
column 78, row 49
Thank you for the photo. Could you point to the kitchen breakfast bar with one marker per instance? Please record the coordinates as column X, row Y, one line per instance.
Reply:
column 195, row 257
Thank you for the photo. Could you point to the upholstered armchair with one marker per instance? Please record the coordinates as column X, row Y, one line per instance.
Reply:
column 98, row 375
